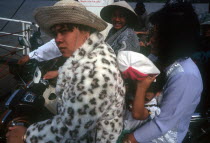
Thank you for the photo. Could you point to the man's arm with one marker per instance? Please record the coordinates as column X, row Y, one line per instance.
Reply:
column 51, row 74
column 45, row 52
column 23, row 60
column 139, row 112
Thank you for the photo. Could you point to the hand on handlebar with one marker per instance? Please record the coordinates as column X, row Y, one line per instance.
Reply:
column 50, row 75
column 16, row 134
column 23, row 60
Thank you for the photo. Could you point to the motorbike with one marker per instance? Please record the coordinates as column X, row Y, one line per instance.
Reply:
column 25, row 105
column 33, row 99
column 199, row 129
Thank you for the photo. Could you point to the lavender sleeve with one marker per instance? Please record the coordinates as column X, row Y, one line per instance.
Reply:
column 181, row 95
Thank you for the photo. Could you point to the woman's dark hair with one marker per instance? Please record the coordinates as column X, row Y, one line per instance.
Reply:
column 178, row 31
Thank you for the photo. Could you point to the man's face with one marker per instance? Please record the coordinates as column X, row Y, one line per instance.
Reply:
column 139, row 10
column 67, row 39
column 118, row 19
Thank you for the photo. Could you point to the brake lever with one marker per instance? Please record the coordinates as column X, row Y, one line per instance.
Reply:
column 30, row 83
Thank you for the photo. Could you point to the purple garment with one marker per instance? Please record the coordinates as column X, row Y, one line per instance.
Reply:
column 181, row 95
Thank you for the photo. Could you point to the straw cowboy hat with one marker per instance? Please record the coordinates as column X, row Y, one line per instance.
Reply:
column 67, row 11
column 106, row 12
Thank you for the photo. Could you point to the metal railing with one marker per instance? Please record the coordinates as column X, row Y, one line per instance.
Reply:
column 25, row 33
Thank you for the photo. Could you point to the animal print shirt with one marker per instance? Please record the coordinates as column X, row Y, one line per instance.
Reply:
column 91, row 93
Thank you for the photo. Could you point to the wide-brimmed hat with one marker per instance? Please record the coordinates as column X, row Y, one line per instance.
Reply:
column 67, row 11
column 107, row 11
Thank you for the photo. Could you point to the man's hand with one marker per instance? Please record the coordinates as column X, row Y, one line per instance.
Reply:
column 142, row 44
column 23, row 60
column 129, row 138
column 50, row 75
column 16, row 134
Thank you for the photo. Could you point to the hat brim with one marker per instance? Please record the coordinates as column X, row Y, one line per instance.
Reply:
column 106, row 13
column 46, row 17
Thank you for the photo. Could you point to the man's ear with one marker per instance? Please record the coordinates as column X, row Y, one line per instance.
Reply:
column 87, row 35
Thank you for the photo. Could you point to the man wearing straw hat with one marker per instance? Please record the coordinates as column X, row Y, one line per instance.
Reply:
column 89, row 85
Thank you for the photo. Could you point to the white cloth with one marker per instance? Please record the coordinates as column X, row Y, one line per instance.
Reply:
column 46, row 52
column 131, row 124
column 137, row 61
column 51, row 105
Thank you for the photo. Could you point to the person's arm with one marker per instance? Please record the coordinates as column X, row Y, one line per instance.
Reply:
column 23, row 60
column 16, row 134
column 51, row 74
column 180, row 96
column 139, row 112
column 46, row 52
column 142, row 32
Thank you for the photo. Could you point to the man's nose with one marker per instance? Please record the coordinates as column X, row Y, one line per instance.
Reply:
column 117, row 18
column 58, row 38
